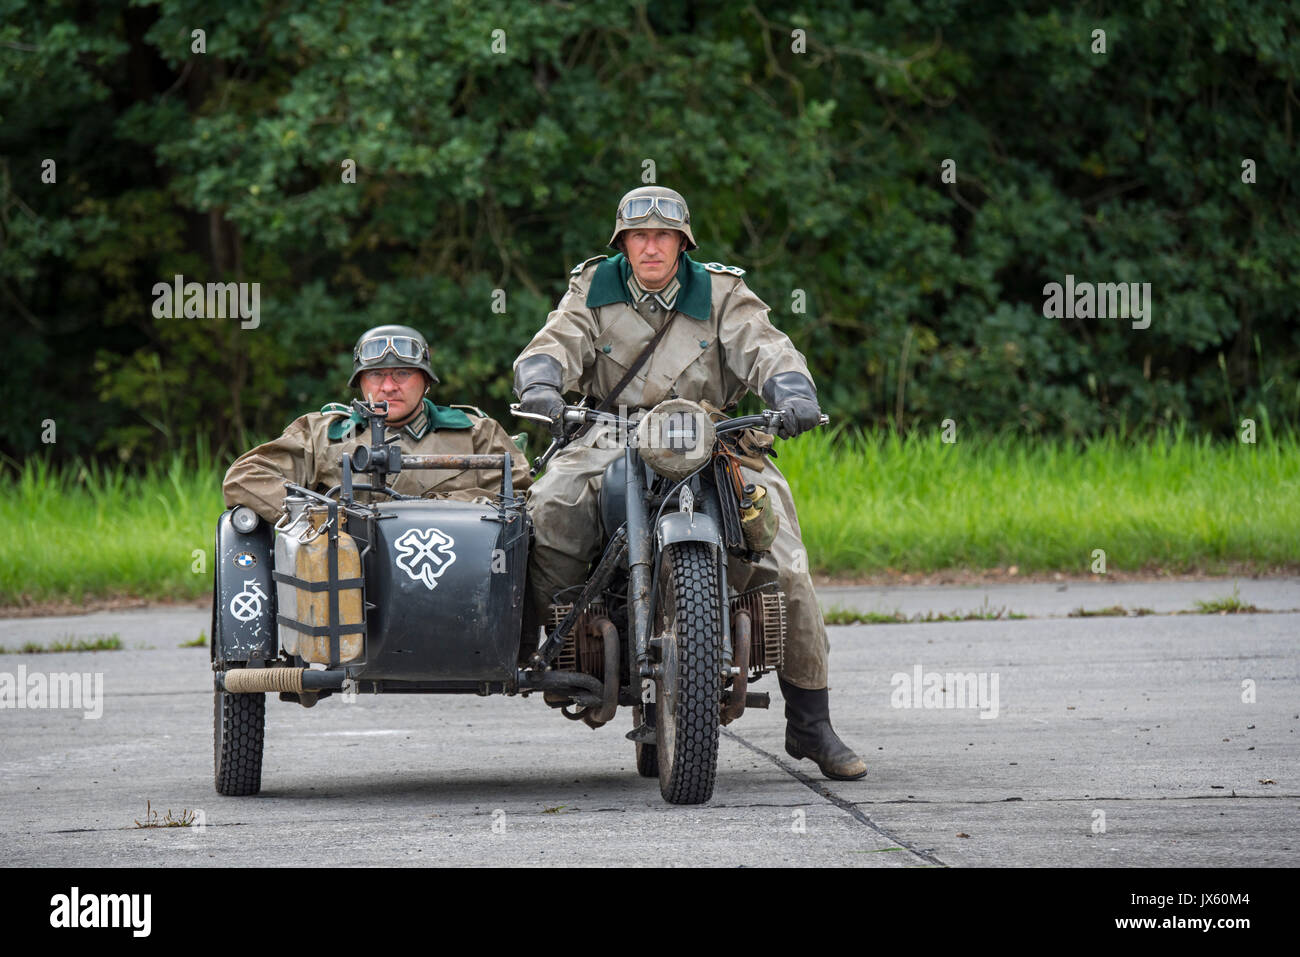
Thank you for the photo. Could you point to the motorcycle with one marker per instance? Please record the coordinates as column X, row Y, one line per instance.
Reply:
column 385, row 593
column 674, row 506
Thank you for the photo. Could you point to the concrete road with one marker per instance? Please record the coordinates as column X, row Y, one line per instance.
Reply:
column 1060, row 600
column 1156, row 741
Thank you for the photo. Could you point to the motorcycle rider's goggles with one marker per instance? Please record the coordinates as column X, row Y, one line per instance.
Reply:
column 404, row 347
column 640, row 207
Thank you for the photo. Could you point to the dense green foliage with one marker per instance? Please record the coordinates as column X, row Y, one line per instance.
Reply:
column 817, row 169
column 868, row 504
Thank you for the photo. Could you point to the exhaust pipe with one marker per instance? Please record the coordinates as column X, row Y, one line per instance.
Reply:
column 609, row 691
column 739, row 696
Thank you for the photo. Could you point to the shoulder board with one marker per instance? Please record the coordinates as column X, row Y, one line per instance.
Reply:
column 719, row 268
column 345, row 424
column 470, row 408
column 583, row 265
column 445, row 417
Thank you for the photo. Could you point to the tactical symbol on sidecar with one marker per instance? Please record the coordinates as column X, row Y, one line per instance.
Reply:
column 247, row 605
column 425, row 554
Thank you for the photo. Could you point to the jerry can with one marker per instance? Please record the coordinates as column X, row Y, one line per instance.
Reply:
column 302, row 557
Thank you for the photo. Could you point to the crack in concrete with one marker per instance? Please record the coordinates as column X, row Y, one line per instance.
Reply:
column 1091, row 800
column 194, row 828
column 847, row 806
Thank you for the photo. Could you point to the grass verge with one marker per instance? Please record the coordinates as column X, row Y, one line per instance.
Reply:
column 868, row 504
column 871, row 503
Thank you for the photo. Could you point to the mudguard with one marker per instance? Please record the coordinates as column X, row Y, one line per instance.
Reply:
column 687, row 527
column 243, row 595
column 695, row 527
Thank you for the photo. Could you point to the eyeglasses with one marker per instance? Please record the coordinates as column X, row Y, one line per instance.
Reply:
column 377, row 376
column 640, row 207
column 404, row 347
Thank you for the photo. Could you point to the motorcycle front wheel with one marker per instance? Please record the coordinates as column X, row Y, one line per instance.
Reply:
column 687, row 690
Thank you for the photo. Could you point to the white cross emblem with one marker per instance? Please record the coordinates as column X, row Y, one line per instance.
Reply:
column 247, row 605
column 425, row 554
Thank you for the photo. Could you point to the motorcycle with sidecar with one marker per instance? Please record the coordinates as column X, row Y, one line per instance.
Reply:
column 361, row 590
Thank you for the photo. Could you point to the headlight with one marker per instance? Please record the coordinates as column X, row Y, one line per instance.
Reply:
column 675, row 438
column 244, row 519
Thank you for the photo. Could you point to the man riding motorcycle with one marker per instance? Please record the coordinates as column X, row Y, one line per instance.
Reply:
column 713, row 341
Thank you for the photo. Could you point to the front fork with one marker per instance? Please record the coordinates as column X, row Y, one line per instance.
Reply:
column 640, row 553
column 643, row 571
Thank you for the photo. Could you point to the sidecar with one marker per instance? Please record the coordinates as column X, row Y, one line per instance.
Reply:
column 438, row 609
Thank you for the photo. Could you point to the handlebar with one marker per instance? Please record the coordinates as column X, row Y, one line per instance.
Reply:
column 765, row 421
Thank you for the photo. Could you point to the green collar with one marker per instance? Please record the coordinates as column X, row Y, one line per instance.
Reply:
column 609, row 285
column 437, row 417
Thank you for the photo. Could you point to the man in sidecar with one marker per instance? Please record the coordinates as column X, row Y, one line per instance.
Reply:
column 390, row 364
column 361, row 580
column 713, row 341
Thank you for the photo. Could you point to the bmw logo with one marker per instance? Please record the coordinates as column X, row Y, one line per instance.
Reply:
column 245, row 560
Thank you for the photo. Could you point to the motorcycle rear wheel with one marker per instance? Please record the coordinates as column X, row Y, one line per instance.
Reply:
column 687, row 691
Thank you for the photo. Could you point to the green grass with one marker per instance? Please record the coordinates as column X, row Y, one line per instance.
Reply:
column 867, row 504
column 849, row 616
column 1227, row 605
column 93, row 532
column 200, row 642
column 881, row 502
column 111, row 642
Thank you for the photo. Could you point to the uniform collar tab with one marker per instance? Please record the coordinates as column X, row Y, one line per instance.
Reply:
column 613, row 282
column 419, row 426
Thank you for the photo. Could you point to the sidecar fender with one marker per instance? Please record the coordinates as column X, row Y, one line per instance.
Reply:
column 243, row 600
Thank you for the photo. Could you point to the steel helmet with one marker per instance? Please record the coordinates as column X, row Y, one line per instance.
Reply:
column 653, row 207
column 390, row 347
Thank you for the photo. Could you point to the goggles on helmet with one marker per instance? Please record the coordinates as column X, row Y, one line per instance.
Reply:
column 640, row 207
column 404, row 347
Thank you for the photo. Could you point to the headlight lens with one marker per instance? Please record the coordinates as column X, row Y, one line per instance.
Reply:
column 244, row 519
column 675, row 438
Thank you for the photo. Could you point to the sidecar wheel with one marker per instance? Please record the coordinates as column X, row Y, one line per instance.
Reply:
column 647, row 755
column 689, row 622
column 238, row 730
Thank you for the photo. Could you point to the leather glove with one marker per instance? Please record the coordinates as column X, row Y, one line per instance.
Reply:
column 544, row 400
column 537, row 384
column 795, row 397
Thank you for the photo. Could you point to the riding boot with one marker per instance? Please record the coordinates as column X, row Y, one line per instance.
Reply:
column 808, row 734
